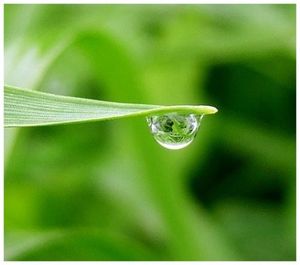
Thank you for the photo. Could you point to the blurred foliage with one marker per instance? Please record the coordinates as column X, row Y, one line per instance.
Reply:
column 106, row 190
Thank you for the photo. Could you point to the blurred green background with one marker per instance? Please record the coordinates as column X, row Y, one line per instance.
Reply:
column 107, row 190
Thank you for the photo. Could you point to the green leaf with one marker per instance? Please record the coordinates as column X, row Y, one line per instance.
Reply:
column 75, row 244
column 24, row 108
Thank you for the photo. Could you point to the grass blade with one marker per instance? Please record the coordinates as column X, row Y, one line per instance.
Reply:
column 23, row 108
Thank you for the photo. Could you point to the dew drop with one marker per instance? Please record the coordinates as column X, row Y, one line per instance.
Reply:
column 173, row 130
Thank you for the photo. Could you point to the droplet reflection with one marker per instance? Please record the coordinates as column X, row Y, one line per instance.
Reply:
column 174, row 131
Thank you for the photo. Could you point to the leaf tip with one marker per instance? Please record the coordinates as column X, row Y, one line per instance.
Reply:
column 214, row 110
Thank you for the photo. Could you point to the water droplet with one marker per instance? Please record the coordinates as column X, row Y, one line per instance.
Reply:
column 174, row 130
